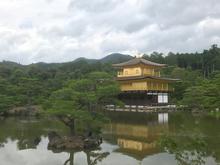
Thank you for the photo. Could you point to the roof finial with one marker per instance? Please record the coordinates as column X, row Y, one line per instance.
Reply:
column 139, row 55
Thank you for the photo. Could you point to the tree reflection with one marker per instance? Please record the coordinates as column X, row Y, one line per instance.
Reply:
column 1, row 145
column 26, row 131
column 188, row 150
column 70, row 160
column 28, row 142
column 92, row 157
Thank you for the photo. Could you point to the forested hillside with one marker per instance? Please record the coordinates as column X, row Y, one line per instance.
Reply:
column 33, row 84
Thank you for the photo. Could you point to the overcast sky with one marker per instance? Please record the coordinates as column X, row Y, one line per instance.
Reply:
column 63, row 30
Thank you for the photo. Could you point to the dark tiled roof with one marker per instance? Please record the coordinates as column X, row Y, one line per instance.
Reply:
column 144, row 77
column 138, row 61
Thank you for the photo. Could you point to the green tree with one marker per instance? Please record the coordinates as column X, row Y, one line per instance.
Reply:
column 203, row 96
column 76, row 102
column 5, row 103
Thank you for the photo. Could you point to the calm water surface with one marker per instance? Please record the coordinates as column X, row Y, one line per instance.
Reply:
column 130, row 139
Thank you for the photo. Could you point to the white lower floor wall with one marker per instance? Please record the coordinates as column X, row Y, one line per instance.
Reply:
column 162, row 97
column 144, row 98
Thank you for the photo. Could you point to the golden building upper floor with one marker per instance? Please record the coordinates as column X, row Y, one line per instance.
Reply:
column 138, row 67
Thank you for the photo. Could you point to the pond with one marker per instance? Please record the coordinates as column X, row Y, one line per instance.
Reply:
column 130, row 139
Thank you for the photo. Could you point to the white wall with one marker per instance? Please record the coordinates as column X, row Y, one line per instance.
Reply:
column 162, row 97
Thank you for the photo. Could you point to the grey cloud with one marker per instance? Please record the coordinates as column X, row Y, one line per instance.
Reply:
column 65, row 30
column 26, row 24
column 49, row 1
column 94, row 5
column 110, row 46
column 175, row 12
column 136, row 25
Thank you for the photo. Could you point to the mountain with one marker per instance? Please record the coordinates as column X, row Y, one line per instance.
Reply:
column 9, row 64
column 111, row 59
column 89, row 61
column 115, row 58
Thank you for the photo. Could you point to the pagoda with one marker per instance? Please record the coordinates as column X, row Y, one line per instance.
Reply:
column 141, row 82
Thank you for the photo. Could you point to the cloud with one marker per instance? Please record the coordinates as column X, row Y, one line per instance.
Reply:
column 58, row 31
column 95, row 5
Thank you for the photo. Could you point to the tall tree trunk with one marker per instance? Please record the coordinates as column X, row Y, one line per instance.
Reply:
column 70, row 122
column 71, row 125
column 72, row 129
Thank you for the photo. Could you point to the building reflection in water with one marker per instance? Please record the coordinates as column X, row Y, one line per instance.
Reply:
column 137, row 139
column 162, row 118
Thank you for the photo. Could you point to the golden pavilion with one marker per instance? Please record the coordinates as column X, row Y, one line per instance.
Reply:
column 141, row 82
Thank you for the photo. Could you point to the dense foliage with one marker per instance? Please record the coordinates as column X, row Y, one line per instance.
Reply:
column 33, row 84
column 199, row 74
column 37, row 83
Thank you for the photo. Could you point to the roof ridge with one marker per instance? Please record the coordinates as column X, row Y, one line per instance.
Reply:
column 135, row 61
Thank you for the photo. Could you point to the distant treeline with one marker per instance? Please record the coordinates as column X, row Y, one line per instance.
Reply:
column 208, row 61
